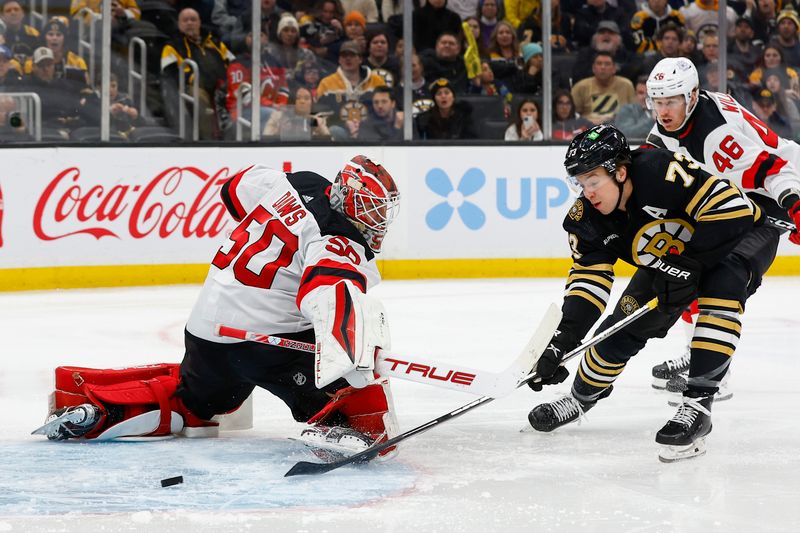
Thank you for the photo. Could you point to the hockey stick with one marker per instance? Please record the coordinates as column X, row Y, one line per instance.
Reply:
column 422, row 370
column 307, row 468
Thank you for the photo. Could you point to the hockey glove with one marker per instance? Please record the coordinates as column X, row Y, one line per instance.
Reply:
column 548, row 369
column 792, row 205
column 676, row 282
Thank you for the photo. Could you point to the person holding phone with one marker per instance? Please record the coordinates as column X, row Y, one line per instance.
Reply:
column 526, row 123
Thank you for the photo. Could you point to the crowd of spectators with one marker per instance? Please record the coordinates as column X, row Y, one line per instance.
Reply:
column 332, row 69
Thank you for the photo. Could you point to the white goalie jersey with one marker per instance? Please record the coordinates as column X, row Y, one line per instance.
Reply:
column 729, row 141
column 288, row 242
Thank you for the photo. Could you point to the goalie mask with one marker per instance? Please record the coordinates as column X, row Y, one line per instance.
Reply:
column 367, row 196
column 673, row 76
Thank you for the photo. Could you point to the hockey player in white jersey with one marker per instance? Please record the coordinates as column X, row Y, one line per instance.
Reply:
column 727, row 140
column 298, row 265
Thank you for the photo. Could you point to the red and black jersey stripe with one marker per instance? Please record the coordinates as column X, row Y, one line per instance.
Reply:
column 344, row 327
column 766, row 165
column 231, row 199
column 329, row 272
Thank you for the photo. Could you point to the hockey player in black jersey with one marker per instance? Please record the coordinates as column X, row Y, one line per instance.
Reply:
column 727, row 140
column 298, row 264
column 691, row 235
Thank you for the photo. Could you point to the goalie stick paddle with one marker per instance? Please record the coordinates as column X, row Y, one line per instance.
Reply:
column 307, row 468
column 439, row 374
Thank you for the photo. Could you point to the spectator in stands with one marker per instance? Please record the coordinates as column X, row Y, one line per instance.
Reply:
column 12, row 127
column 212, row 58
column 519, row 10
column 431, row 21
column 489, row 19
column 710, row 48
column 689, row 47
column 634, row 119
column 474, row 24
column 124, row 114
column 702, row 17
column 271, row 15
column 20, row 38
column 355, row 29
column 308, row 74
column 530, row 29
column 10, row 70
column 59, row 99
column 325, row 32
column 227, row 16
column 348, row 91
column 420, row 93
column 463, row 8
column 367, row 8
column 599, row 98
column 765, row 108
column 274, row 86
column 787, row 99
column 645, row 24
column 69, row 65
column 668, row 43
column 589, row 16
column 379, row 59
column 295, row 122
column 448, row 118
column 772, row 61
column 446, row 61
column 607, row 38
column 287, row 49
column 392, row 13
column 786, row 36
column 526, row 125
column 504, row 53
column 764, row 20
column 123, row 13
column 384, row 123
column 743, row 53
column 529, row 79
column 566, row 123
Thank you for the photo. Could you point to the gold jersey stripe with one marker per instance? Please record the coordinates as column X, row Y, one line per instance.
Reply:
column 592, row 382
column 716, row 200
column 725, row 323
column 739, row 213
column 700, row 195
column 711, row 303
column 589, row 297
column 605, row 282
column 713, row 347
column 602, row 361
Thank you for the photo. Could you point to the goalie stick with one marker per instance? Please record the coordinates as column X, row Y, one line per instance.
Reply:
column 307, row 468
column 422, row 370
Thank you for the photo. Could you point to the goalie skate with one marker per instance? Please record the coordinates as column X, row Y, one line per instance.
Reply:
column 70, row 422
column 333, row 443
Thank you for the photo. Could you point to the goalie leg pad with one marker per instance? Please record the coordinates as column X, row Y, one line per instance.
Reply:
column 369, row 410
column 140, row 400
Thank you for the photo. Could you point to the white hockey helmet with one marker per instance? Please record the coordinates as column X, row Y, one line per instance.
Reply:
column 673, row 76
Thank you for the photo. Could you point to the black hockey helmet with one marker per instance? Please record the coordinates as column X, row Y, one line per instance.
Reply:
column 601, row 146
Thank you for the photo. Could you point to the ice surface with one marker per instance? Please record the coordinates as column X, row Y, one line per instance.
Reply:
column 477, row 473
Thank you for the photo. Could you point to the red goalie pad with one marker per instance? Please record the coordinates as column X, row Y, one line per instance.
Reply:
column 369, row 410
column 131, row 392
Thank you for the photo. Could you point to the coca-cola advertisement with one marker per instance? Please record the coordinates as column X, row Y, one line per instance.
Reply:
column 110, row 206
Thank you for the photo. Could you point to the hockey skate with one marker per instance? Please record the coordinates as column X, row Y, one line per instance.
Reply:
column 683, row 437
column 70, row 422
column 549, row 416
column 333, row 443
column 667, row 370
column 680, row 383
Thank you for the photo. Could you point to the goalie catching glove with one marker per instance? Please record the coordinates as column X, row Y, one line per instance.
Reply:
column 349, row 327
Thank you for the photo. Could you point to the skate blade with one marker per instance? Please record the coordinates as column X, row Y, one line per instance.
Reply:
column 673, row 454
column 71, row 417
column 328, row 451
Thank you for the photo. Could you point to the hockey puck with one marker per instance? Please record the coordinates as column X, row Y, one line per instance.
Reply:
column 170, row 481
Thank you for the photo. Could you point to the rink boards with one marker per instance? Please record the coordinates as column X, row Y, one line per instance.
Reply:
column 72, row 217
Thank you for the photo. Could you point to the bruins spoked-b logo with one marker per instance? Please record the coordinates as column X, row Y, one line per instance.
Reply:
column 654, row 239
column 628, row 304
column 576, row 211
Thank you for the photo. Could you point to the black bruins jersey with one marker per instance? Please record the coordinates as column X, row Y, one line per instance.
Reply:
column 674, row 203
